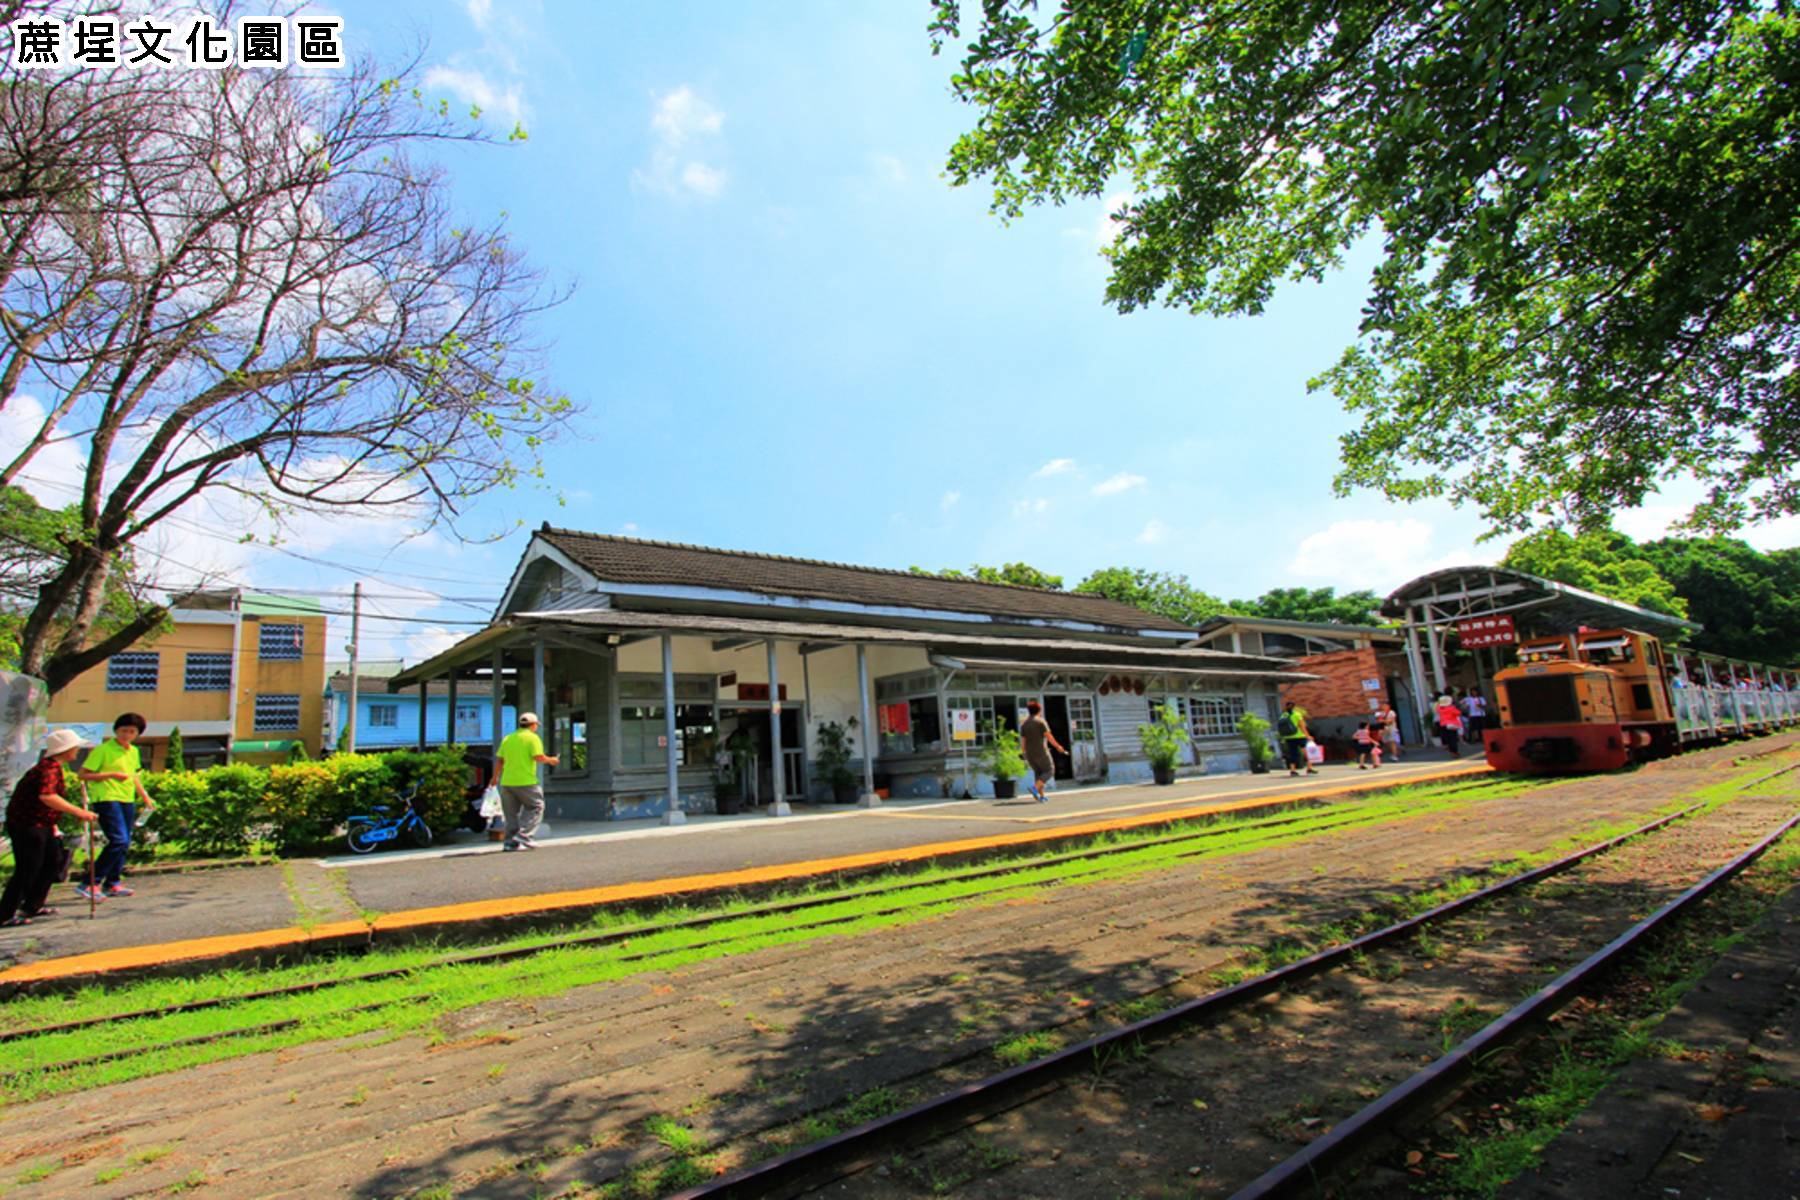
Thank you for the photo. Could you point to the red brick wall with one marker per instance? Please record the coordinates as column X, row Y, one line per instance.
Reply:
column 1340, row 692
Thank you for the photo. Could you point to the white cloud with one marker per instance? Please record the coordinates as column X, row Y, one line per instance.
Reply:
column 1154, row 531
column 1104, row 230
column 629, row 527
column 53, row 477
column 1379, row 554
column 949, row 500
column 1652, row 521
column 1026, row 508
column 1124, row 481
column 888, row 168
column 1056, row 466
column 480, row 11
column 473, row 87
column 680, row 119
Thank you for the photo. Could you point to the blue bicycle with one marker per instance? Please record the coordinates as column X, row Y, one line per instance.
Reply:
column 370, row 831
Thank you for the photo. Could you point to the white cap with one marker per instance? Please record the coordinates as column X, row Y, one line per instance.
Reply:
column 61, row 740
column 528, row 719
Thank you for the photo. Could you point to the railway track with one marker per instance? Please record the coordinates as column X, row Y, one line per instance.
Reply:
column 108, row 1033
column 1140, row 1066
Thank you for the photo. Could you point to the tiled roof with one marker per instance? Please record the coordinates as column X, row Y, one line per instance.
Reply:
column 631, row 560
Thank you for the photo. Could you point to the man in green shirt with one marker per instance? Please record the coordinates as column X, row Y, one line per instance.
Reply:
column 111, row 774
column 521, row 796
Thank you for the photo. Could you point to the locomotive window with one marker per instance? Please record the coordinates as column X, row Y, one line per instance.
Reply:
column 1640, row 695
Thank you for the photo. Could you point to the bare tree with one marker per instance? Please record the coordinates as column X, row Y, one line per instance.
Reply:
column 249, row 280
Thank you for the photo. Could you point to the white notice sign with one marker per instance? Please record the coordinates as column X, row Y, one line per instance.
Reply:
column 962, row 724
column 1371, row 685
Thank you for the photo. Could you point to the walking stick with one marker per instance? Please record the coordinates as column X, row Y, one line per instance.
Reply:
column 88, row 829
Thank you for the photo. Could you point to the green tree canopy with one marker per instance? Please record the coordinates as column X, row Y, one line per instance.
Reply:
column 1603, row 562
column 1587, row 217
column 1313, row 604
column 1017, row 574
column 1160, row 592
column 1748, row 601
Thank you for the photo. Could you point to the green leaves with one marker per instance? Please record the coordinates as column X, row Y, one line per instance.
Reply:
column 1588, row 218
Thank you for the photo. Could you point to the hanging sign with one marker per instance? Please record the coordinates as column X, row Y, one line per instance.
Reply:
column 962, row 724
column 1486, row 631
column 758, row 691
column 1371, row 685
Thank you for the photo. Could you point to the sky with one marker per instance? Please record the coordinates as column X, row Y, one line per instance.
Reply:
column 788, row 333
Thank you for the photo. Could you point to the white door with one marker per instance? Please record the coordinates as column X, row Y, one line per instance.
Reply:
column 1084, row 742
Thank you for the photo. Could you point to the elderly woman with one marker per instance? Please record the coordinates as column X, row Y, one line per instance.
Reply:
column 37, row 804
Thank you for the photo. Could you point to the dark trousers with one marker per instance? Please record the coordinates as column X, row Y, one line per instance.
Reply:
column 34, row 853
column 1293, row 751
column 115, row 822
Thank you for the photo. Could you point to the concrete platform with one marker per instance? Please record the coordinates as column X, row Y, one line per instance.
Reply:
column 294, row 906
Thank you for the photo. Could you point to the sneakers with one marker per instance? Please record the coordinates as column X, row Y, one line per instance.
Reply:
column 14, row 921
column 116, row 889
column 87, row 893
column 510, row 845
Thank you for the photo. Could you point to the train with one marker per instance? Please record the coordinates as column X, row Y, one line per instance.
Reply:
column 1600, row 699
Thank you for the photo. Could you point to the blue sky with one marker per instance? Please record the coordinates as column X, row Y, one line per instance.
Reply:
column 790, row 334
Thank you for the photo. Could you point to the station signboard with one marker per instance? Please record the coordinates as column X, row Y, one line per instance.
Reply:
column 1486, row 631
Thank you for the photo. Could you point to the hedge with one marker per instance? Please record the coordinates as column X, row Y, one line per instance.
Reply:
column 302, row 805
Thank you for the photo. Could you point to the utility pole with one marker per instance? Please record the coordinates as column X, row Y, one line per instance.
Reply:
column 355, row 637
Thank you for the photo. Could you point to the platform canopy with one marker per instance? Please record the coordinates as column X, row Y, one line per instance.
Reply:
column 1539, row 605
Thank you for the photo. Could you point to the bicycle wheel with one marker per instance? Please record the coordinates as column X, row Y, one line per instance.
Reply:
column 358, row 833
column 418, row 833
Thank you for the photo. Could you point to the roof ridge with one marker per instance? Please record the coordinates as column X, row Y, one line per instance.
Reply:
column 817, row 562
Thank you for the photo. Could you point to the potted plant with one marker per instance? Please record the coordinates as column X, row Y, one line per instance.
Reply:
column 1002, row 758
column 835, row 748
column 1255, row 732
column 1163, row 739
column 733, row 765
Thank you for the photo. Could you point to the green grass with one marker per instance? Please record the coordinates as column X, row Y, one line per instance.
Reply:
column 415, row 1001
column 1015, row 1051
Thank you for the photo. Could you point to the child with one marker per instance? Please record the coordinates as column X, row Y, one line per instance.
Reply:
column 1368, row 747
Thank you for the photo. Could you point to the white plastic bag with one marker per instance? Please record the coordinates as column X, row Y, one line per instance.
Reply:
column 490, row 802
column 1315, row 753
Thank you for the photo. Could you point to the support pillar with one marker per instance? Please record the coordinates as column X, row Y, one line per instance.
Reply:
column 778, row 805
column 450, row 737
column 538, row 697
column 424, row 691
column 673, row 814
column 868, row 799
column 499, row 665
column 1416, row 666
column 1437, row 656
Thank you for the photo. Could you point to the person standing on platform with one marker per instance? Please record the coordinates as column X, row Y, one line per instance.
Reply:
column 1450, row 725
column 1037, row 742
column 521, row 796
column 37, row 803
column 1294, row 736
column 114, row 769
column 1474, row 711
column 1387, row 729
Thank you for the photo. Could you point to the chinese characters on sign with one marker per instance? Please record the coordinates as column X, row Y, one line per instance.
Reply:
column 962, row 724
column 1486, row 631
column 257, row 43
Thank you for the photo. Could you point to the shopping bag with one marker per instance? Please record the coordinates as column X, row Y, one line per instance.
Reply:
column 490, row 803
column 1315, row 753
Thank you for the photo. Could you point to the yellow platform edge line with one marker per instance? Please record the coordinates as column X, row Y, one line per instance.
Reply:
column 103, row 962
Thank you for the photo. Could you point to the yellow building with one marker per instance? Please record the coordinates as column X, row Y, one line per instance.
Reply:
column 241, row 675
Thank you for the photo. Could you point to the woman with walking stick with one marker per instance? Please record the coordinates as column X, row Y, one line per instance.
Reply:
column 37, row 803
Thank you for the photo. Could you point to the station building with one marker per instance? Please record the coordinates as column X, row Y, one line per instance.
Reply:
column 671, row 677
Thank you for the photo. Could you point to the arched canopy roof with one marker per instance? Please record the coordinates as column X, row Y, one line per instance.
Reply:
column 1540, row 605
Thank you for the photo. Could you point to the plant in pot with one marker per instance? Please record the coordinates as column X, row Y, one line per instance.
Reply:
column 1002, row 758
column 835, row 749
column 1255, row 732
column 733, row 767
column 1163, row 739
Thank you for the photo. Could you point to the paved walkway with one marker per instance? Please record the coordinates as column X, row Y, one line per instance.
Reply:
column 259, row 907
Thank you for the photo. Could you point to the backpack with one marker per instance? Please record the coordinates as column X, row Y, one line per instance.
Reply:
column 1286, row 726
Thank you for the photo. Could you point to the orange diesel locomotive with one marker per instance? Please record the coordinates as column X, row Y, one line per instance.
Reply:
column 1599, row 699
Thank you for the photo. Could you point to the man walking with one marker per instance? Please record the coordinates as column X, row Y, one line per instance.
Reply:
column 521, row 796
column 1294, row 736
column 1037, row 742
column 113, row 770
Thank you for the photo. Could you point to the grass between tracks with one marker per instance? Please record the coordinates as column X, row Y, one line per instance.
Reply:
column 1597, row 1036
column 415, row 1002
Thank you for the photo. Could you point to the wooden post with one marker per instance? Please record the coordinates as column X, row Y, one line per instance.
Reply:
column 423, row 705
column 499, row 661
column 538, row 697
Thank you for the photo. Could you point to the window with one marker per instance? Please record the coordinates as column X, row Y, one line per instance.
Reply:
column 208, row 672
column 696, row 735
column 1214, row 715
column 384, row 716
column 468, row 723
column 280, row 641
column 640, row 735
column 133, row 671
column 569, row 728
column 277, row 712
column 984, row 713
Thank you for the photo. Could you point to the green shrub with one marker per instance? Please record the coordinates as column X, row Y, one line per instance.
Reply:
column 300, row 805
column 1002, row 757
column 360, row 782
column 1164, row 736
column 211, row 811
column 1255, row 732
column 442, row 777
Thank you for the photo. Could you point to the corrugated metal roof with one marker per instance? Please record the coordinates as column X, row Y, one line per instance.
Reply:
column 262, row 604
column 631, row 560
column 1554, row 607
